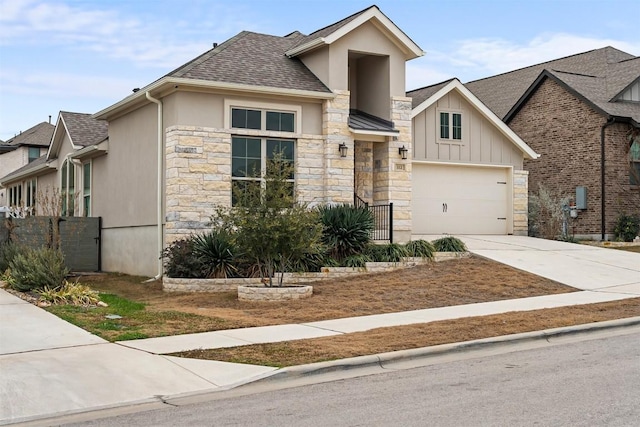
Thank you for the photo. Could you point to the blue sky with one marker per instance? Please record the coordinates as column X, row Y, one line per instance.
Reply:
column 84, row 55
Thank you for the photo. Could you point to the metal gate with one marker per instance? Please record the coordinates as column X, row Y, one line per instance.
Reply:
column 382, row 219
column 78, row 238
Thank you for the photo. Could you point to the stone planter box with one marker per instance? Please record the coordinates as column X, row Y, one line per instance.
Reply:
column 271, row 294
column 446, row 256
column 170, row 284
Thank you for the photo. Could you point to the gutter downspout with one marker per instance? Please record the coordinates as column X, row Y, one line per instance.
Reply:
column 160, row 185
column 610, row 121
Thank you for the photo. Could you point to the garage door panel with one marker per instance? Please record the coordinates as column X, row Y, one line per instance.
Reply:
column 459, row 200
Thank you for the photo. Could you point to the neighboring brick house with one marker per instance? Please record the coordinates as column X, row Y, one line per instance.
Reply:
column 570, row 111
column 17, row 152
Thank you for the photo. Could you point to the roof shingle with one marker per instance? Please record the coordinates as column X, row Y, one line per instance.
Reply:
column 253, row 59
column 38, row 135
column 500, row 93
column 84, row 130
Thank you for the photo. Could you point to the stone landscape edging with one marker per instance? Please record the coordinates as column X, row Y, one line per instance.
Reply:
column 172, row 284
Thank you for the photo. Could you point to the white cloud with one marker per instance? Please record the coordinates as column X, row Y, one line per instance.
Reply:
column 109, row 32
column 472, row 59
column 499, row 55
column 62, row 85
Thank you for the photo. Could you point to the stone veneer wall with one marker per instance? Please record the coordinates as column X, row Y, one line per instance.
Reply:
column 339, row 182
column 198, row 177
column 520, row 203
column 398, row 174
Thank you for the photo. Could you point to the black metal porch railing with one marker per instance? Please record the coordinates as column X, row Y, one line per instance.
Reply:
column 382, row 219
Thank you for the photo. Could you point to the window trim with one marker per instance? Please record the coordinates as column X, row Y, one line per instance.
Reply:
column 64, row 188
column 263, row 107
column 463, row 128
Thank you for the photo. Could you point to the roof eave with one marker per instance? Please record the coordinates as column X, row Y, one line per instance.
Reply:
column 412, row 50
column 29, row 172
column 374, row 132
column 206, row 84
column 91, row 150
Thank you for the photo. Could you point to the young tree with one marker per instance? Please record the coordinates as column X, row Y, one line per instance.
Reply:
column 267, row 224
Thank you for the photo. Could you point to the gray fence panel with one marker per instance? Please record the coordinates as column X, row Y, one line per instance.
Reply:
column 79, row 238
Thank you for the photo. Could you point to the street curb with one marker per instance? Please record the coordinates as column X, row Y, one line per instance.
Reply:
column 380, row 359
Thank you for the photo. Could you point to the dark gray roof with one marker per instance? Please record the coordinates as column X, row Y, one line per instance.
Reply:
column 253, row 59
column 418, row 96
column 360, row 120
column 84, row 130
column 500, row 93
column 38, row 135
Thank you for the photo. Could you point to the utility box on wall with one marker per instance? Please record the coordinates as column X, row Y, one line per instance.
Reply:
column 581, row 198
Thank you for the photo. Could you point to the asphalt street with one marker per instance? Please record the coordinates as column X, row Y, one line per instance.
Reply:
column 585, row 381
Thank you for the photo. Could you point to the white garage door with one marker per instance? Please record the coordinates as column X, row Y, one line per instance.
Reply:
column 459, row 199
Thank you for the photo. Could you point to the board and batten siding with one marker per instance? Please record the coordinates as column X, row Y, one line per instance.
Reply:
column 482, row 142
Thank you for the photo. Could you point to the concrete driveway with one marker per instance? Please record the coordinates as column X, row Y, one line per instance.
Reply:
column 583, row 267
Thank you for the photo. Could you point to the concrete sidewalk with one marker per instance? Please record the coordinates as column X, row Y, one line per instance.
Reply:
column 49, row 367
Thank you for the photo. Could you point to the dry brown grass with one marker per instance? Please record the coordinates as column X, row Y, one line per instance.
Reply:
column 415, row 336
column 455, row 282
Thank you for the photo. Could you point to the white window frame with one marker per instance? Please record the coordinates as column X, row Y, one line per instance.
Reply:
column 64, row 189
column 31, row 191
column 463, row 128
column 263, row 107
column 83, row 211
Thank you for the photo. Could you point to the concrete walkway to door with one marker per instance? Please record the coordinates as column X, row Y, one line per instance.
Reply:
column 584, row 267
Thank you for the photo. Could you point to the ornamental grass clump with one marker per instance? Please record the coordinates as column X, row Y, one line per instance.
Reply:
column 393, row 252
column 70, row 294
column 449, row 244
column 420, row 249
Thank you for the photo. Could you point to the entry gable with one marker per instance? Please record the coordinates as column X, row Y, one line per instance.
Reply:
column 334, row 32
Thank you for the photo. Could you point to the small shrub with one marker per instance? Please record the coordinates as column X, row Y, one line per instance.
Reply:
column 449, row 244
column 179, row 260
column 346, row 229
column 420, row 249
column 216, row 253
column 627, row 227
column 307, row 262
column 70, row 293
column 37, row 269
column 546, row 214
column 8, row 251
column 356, row 261
column 392, row 252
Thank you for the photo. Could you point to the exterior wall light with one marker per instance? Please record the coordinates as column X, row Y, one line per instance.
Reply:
column 403, row 152
column 343, row 149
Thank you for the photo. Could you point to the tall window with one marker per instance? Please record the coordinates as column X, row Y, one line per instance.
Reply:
column 34, row 153
column 31, row 197
column 86, row 189
column 15, row 196
column 280, row 121
column 634, row 157
column 450, row 125
column 67, row 188
column 249, row 157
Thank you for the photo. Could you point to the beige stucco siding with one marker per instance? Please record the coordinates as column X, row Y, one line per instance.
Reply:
column 47, row 186
column 208, row 109
column 132, row 250
column 369, row 40
column 125, row 183
column 318, row 61
column 482, row 142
